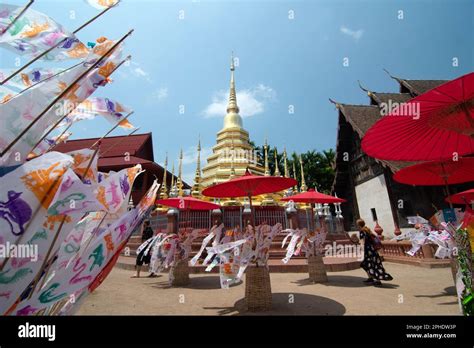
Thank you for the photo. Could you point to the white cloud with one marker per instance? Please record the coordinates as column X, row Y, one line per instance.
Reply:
column 250, row 101
column 140, row 72
column 355, row 34
column 160, row 94
column 136, row 70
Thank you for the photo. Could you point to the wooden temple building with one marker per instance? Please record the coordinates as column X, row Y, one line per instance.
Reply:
column 366, row 182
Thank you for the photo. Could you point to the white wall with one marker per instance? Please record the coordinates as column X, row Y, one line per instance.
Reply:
column 374, row 194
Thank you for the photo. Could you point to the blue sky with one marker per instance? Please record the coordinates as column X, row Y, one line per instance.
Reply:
column 282, row 61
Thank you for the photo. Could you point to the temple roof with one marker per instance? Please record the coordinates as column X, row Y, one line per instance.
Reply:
column 139, row 145
column 112, row 152
column 393, row 97
column 420, row 86
column 361, row 118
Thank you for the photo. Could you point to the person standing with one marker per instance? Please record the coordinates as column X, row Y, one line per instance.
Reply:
column 144, row 255
column 372, row 262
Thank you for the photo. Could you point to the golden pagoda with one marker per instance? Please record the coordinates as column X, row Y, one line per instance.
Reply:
column 232, row 154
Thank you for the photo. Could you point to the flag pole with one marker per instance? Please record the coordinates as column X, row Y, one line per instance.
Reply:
column 112, row 129
column 55, row 46
column 51, row 146
column 59, row 137
column 50, row 77
column 57, row 123
column 119, row 141
column 94, row 18
column 91, row 160
column 63, row 93
column 17, row 17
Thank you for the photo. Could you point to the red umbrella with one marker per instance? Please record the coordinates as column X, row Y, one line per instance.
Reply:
column 437, row 173
column 432, row 126
column 465, row 197
column 249, row 185
column 313, row 196
column 187, row 203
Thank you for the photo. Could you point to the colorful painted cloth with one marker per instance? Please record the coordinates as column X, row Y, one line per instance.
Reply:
column 28, row 77
column 6, row 94
column 166, row 250
column 47, row 143
column 109, row 195
column 102, row 4
column 86, row 268
column 24, row 221
column 34, row 33
column 21, row 111
column 233, row 251
column 112, row 111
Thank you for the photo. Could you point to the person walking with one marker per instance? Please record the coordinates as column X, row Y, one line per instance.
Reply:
column 144, row 254
column 372, row 262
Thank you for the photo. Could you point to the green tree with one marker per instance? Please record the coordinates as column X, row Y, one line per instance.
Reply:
column 318, row 166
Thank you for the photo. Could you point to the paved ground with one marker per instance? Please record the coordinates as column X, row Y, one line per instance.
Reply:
column 414, row 291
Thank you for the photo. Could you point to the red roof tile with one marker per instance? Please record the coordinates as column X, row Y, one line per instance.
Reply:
column 116, row 146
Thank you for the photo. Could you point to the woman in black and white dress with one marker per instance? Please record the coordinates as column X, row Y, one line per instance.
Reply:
column 372, row 262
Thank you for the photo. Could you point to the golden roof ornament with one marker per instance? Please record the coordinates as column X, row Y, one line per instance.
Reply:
column 295, row 188
column 164, row 188
column 196, row 192
column 173, row 189
column 179, row 182
column 285, row 163
column 265, row 150
column 303, row 182
column 277, row 170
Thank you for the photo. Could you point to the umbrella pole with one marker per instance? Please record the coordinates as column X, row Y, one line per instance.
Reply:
column 252, row 223
column 445, row 178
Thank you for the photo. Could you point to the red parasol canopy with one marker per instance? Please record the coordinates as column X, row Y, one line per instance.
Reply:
column 432, row 126
column 465, row 197
column 187, row 203
column 437, row 173
column 313, row 196
column 249, row 185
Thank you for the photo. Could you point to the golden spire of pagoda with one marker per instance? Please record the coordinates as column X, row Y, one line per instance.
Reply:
column 232, row 119
column 164, row 188
column 196, row 192
column 232, row 105
column 285, row 163
column 303, row 182
column 265, row 149
column 179, row 182
column 277, row 170
column 294, row 177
